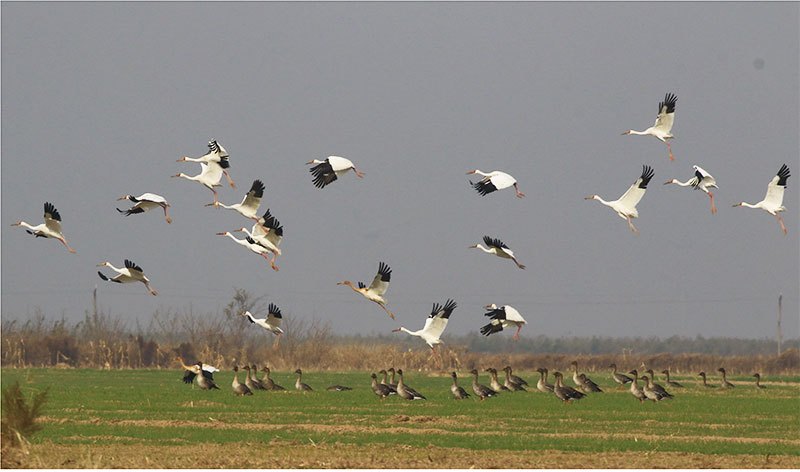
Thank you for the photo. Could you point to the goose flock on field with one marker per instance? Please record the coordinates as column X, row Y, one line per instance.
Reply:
column 266, row 234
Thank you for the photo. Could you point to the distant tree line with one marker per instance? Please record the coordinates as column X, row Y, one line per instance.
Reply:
column 224, row 339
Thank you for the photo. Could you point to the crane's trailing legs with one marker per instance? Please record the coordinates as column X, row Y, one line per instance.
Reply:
column 391, row 315
column 516, row 189
column 516, row 335
column 630, row 225
column 777, row 215
column 271, row 262
column 713, row 207
column 669, row 148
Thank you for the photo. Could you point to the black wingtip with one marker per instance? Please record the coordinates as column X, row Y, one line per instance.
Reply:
column 783, row 175
column 274, row 310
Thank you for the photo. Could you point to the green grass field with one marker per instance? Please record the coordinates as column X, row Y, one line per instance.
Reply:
column 92, row 416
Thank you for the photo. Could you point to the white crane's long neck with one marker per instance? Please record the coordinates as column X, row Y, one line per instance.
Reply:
column 750, row 205
column 479, row 246
column 480, row 172
column 600, row 199
column 639, row 133
column 27, row 225
column 682, row 184
column 115, row 269
column 413, row 333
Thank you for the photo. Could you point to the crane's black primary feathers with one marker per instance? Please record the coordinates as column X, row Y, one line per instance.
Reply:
column 132, row 265
column 494, row 242
column 51, row 212
column 669, row 101
column 783, row 175
column 106, row 278
column 484, row 186
column 384, row 271
column 132, row 211
column 361, row 285
column 251, row 240
column 498, row 313
column 323, row 174
column 447, row 309
column 322, row 180
column 494, row 327
column 257, row 189
column 272, row 223
column 647, row 174
column 274, row 310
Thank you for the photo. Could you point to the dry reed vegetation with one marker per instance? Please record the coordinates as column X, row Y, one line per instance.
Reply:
column 222, row 339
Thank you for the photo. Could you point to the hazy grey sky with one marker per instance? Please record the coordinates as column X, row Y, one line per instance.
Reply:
column 100, row 99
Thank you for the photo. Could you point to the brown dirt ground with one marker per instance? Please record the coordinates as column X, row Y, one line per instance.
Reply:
column 294, row 454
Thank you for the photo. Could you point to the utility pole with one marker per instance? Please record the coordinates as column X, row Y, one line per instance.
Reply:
column 780, row 313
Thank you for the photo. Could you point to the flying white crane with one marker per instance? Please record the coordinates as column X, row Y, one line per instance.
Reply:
column 505, row 316
column 495, row 180
column 250, row 203
column 330, row 169
column 260, row 237
column 268, row 227
column 498, row 248
column 210, row 175
column 376, row 289
column 271, row 323
column 144, row 202
column 251, row 244
column 434, row 324
column 773, row 201
column 130, row 273
column 217, row 154
column 663, row 125
column 625, row 206
column 702, row 180
column 51, row 228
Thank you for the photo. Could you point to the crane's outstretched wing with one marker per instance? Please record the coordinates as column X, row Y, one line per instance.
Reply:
column 776, row 187
column 636, row 191
column 380, row 283
column 131, row 266
column 494, row 242
column 52, row 218
column 666, row 113
column 253, row 198
column 437, row 320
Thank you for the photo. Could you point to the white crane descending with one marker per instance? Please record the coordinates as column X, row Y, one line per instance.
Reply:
column 702, row 180
column 625, row 206
column 330, row 169
column 505, row 316
column 376, row 289
column 663, row 125
column 434, row 324
column 144, row 202
column 51, row 228
column 250, row 203
column 251, row 244
column 773, row 201
column 216, row 154
column 498, row 248
column 209, row 176
column 130, row 273
column 493, row 181
column 271, row 323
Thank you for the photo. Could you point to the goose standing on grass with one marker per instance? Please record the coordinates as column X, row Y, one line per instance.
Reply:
column 270, row 384
column 392, row 383
column 758, row 380
column 405, row 391
column 497, row 248
column 658, row 388
column 250, row 382
column 619, row 378
column 249, row 204
column 513, row 378
column 458, row 392
column 493, row 181
column 482, row 391
column 653, row 391
column 434, row 324
column 542, row 385
column 331, row 169
column 494, row 384
column 376, row 290
column 510, row 384
column 298, row 384
column 581, row 380
column 662, row 128
column 505, row 316
column 144, row 202
column 254, row 374
column 671, row 383
column 725, row 383
column 130, row 273
column 238, row 387
column 392, row 386
column 271, row 323
column 637, row 391
column 51, row 228
column 705, row 383
column 216, row 155
column 773, row 201
column 564, row 392
column 379, row 389
column 252, row 245
column 625, row 206
column 702, row 180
